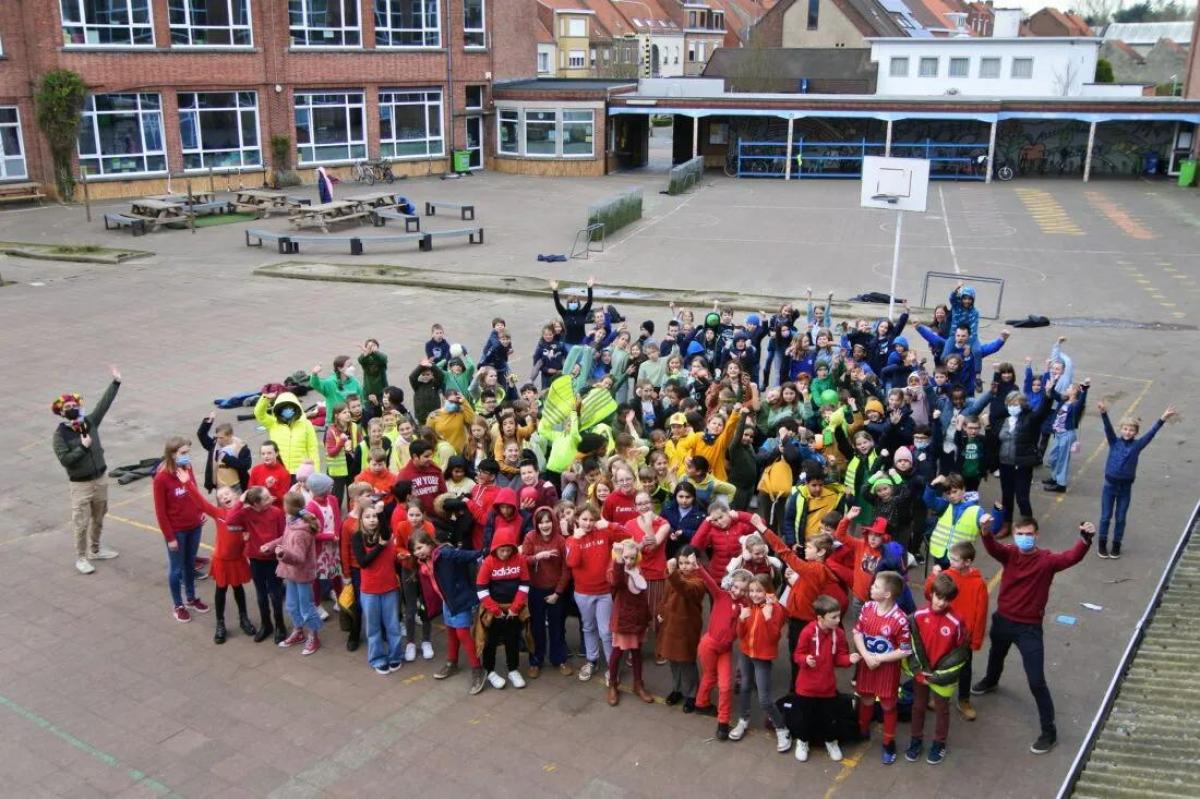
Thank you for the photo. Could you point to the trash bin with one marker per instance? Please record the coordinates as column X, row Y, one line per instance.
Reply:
column 1187, row 172
column 462, row 161
column 1149, row 163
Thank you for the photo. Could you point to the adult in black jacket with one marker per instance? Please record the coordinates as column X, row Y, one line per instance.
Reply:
column 1017, row 449
column 574, row 316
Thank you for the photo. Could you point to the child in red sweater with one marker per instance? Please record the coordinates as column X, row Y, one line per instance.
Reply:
column 589, row 550
column 939, row 642
column 377, row 555
column 820, row 649
column 377, row 474
column 270, row 473
column 881, row 636
column 503, row 590
column 970, row 606
column 722, row 531
column 181, row 522
column 358, row 499
column 229, row 565
column 866, row 553
column 716, row 647
column 630, row 618
column 546, row 552
column 261, row 520
column 650, row 531
column 760, row 625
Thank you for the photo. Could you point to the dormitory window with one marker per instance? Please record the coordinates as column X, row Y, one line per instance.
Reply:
column 474, row 22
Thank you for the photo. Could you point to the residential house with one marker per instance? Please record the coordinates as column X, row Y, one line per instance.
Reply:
column 981, row 17
column 584, row 46
column 1164, row 63
column 547, row 50
column 660, row 38
column 1052, row 22
column 835, row 23
column 1142, row 36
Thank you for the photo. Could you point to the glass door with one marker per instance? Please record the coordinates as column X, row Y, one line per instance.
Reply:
column 475, row 142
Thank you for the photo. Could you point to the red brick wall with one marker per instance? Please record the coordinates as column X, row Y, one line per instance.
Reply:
column 32, row 39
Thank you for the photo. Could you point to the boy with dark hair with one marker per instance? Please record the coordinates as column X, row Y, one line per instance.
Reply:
column 428, row 482
column 970, row 606
column 819, row 649
column 882, row 637
column 940, row 648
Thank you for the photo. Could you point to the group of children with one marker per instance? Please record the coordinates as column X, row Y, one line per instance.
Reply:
column 669, row 489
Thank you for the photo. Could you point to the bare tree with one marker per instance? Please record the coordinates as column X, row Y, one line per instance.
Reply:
column 1096, row 12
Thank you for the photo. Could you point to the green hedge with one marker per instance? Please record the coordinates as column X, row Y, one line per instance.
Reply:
column 616, row 212
column 686, row 175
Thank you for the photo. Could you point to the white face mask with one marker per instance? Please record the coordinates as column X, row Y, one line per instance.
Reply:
column 1014, row 410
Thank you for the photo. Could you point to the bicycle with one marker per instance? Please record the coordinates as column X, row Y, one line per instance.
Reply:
column 370, row 172
column 1003, row 172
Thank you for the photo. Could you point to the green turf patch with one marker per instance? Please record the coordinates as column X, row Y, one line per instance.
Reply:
column 212, row 220
column 82, row 253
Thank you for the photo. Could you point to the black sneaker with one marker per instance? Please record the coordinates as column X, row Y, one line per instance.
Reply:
column 1102, row 548
column 722, row 732
column 982, row 687
column 689, row 705
column 937, row 753
column 1045, row 742
column 704, row 710
column 673, row 698
column 913, row 753
column 1115, row 552
column 1056, row 488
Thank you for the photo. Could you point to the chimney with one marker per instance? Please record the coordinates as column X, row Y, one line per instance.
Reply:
column 1007, row 24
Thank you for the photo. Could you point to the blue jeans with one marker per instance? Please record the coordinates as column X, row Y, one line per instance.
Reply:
column 298, row 599
column 1060, row 455
column 1117, row 493
column 542, row 614
column 381, row 622
column 181, row 565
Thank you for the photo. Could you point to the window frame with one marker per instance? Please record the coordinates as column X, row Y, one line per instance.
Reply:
column 348, row 105
column 576, row 55
column 510, row 116
column 1025, row 61
column 189, row 28
column 242, row 148
column 431, row 35
column 543, row 57
column 426, row 103
column 814, row 15
column 924, row 60
column 84, row 26
column 345, row 31
column 569, row 23
column 475, row 38
column 5, row 156
column 892, row 73
column 90, row 117
column 962, row 61
column 563, row 122
column 562, row 119
column 988, row 61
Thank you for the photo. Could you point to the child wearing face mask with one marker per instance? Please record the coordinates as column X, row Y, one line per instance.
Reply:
column 337, row 387
column 181, row 520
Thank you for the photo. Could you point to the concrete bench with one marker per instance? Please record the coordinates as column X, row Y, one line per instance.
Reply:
column 136, row 224
column 474, row 235
column 464, row 210
column 289, row 243
column 380, row 216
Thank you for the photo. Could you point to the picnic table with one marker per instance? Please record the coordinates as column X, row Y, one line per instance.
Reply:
column 156, row 213
column 323, row 215
column 265, row 201
column 196, row 198
column 376, row 199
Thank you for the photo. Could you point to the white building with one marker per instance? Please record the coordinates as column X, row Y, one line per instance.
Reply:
column 1044, row 66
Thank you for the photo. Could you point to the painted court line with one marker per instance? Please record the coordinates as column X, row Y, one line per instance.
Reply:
column 949, row 236
column 1119, row 216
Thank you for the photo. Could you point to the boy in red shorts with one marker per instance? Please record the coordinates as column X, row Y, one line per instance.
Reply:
column 882, row 638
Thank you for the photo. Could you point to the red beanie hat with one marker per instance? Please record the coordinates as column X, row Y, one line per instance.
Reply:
column 56, row 407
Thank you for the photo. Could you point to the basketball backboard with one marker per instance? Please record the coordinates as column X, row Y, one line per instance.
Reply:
column 895, row 183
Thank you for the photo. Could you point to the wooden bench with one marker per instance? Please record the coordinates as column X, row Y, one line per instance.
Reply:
column 211, row 207
column 431, row 208
column 474, row 234
column 380, row 216
column 136, row 224
column 21, row 192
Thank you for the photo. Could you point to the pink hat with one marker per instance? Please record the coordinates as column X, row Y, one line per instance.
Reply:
column 903, row 454
column 304, row 471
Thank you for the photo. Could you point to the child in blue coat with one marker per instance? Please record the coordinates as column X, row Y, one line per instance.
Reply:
column 1120, row 470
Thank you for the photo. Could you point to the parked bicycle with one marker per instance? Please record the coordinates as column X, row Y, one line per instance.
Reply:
column 371, row 172
column 1003, row 171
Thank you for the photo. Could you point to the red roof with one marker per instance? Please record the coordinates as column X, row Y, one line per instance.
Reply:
column 541, row 33
column 1126, row 49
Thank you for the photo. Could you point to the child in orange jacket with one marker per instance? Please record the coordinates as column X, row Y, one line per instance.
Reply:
column 760, row 624
column 970, row 605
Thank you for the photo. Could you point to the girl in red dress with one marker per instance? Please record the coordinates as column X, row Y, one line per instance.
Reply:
column 229, row 564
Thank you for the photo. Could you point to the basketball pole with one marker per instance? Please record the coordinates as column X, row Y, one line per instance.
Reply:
column 895, row 267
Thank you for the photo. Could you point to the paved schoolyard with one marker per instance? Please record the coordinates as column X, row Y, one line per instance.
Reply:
column 105, row 695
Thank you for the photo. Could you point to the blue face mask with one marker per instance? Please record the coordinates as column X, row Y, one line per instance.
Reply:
column 452, row 407
column 921, row 444
column 1014, row 410
column 183, row 459
column 287, row 414
column 1025, row 543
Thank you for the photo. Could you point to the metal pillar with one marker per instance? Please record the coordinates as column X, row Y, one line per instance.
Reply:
column 695, row 136
column 1087, row 159
column 887, row 144
column 787, row 158
column 991, row 158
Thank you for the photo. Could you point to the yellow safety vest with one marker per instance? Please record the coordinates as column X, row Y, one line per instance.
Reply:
column 948, row 531
column 849, row 483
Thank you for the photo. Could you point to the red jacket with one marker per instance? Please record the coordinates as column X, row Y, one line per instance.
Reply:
column 630, row 611
column 941, row 634
column 831, row 650
column 618, row 508
column 379, row 575
column 815, row 579
column 654, row 557
column 427, row 483
column 550, row 574
column 726, row 544
column 263, row 526
column 230, row 543
column 1025, row 581
column 260, row 474
column 174, row 505
column 588, row 559
column 971, row 604
column 480, row 505
column 723, row 620
column 503, row 582
column 866, row 560
column 758, row 636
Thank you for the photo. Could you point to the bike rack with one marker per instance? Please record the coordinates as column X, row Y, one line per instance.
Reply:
column 582, row 248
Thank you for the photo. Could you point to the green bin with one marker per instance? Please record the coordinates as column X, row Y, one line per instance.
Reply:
column 462, row 161
column 1187, row 172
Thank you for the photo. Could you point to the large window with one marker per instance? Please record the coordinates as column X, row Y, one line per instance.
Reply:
column 474, row 24
column 107, row 22
column 330, row 127
column 12, row 150
column 989, row 67
column 324, row 23
column 577, row 129
column 575, row 27
column 814, row 14
column 410, row 123
column 1022, row 67
column 407, row 23
column 540, row 133
column 219, row 130
column 509, row 141
column 575, row 59
column 927, row 68
column 898, row 67
column 960, row 67
column 210, row 23
column 122, row 134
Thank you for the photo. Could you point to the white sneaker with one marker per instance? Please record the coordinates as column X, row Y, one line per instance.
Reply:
column 783, row 740
column 607, row 682
column 403, row 630
column 83, row 567
column 585, row 671
column 802, row 751
column 835, row 751
column 410, row 652
column 103, row 553
column 427, row 650
column 496, row 680
column 739, row 730
column 516, row 679
column 322, row 612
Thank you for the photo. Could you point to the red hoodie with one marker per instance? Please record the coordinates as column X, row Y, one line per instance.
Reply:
column 427, row 483
column 588, row 558
column 723, row 620
column 726, row 544
column 480, row 505
column 503, row 582
column 263, row 527
column 866, row 560
column 174, row 505
column 758, row 636
column 831, row 649
column 283, row 480
column 619, row 508
column 548, row 574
